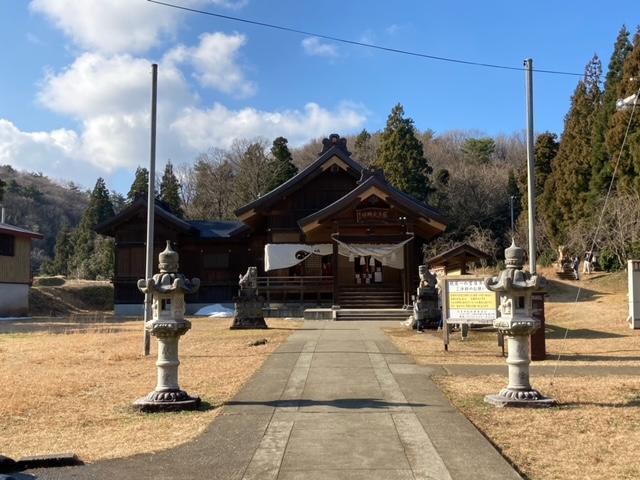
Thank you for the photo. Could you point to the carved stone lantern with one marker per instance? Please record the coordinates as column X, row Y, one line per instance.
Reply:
column 167, row 290
column 516, row 323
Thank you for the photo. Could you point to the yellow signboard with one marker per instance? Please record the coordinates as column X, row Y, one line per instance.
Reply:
column 469, row 300
column 472, row 300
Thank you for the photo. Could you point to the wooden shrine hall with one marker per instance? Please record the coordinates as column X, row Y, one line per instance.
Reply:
column 334, row 234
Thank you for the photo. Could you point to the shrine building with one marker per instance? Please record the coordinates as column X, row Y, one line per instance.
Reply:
column 334, row 234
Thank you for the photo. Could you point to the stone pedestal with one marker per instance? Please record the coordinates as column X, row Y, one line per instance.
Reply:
column 249, row 305
column 167, row 290
column 519, row 392
column 249, row 314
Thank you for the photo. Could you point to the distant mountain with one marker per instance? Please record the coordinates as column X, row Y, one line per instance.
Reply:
column 38, row 203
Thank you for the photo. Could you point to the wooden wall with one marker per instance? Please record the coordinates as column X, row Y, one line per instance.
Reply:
column 17, row 269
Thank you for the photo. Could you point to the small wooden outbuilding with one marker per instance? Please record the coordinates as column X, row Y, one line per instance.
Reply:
column 15, row 270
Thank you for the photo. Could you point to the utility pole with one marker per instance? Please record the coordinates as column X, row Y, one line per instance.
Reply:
column 531, row 185
column 151, row 205
column 511, row 199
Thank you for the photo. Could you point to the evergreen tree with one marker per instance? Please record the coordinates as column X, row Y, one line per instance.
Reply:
column 478, row 150
column 564, row 201
column 545, row 150
column 364, row 151
column 629, row 166
column 281, row 167
column 63, row 252
column 401, row 156
column 601, row 165
column 2, row 185
column 140, row 186
column 170, row 190
column 99, row 210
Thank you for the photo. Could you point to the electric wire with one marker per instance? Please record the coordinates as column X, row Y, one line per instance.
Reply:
column 361, row 44
column 599, row 224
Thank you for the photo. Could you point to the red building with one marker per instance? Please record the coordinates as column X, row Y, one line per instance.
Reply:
column 335, row 234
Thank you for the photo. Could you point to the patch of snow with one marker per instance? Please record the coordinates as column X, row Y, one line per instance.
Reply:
column 216, row 310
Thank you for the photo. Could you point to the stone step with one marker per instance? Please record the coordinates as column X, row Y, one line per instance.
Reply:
column 397, row 314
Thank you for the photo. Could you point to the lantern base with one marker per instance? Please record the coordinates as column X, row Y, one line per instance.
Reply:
column 167, row 401
column 520, row 398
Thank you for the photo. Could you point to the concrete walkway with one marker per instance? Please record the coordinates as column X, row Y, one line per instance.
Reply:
column 336, row 401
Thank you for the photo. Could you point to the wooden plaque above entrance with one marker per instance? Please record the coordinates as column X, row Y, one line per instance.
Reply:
column 372, row 214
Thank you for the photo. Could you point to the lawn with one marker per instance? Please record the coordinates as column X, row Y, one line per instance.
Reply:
column 594, row 432
column 69, row 387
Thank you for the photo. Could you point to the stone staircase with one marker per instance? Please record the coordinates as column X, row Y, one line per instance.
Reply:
column 370, row 297
column 396, row 314
column 566, row 273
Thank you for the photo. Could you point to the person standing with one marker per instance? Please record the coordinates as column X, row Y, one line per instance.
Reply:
column 586, row 266
column 575, row 265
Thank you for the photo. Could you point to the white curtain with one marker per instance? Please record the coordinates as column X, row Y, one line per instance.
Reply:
column 389, row 254
column 285, row 255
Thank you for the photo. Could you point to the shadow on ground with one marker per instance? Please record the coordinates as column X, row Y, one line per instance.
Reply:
column 555, row 332
column 346, row 403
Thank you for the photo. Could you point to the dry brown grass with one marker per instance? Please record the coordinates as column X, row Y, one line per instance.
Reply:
column 73, row 391
column 597, row 330
column 593, row 434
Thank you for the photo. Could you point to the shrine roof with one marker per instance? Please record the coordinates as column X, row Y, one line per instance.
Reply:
column 334, row 146
column 376, row 181
column 455, row 254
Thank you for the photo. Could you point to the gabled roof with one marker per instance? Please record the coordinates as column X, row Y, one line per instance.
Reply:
column 218, row 228
column 331, row 150
column 209, row 229
column 376, row 182
column 7, row 229
column 455, row 254
column 132, row 210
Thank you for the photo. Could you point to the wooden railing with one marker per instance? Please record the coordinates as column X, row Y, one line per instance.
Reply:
column 292, row 289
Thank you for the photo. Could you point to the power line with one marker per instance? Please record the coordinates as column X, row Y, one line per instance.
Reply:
column 361, row 44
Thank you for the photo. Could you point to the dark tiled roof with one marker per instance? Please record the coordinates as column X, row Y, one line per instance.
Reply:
column 17, row 231
column 294, row 182
column 106, row 227
column 218, row 228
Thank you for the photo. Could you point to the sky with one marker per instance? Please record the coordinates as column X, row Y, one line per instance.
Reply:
column 75, row 87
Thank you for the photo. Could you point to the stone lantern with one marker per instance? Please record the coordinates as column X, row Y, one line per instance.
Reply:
column 516, row 323
column 167, row 290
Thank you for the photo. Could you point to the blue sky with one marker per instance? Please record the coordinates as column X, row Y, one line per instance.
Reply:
column 76, row 77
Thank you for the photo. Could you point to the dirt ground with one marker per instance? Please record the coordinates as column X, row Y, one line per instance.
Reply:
column 594, row 432
column 68, row 387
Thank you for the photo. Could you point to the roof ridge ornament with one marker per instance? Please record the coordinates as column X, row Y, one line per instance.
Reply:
column 335, row 140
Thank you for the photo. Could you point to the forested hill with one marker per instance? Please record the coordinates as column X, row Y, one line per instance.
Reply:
column 38, row 203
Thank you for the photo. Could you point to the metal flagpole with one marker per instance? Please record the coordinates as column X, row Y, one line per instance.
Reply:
column 151, row 205
column 531, row 190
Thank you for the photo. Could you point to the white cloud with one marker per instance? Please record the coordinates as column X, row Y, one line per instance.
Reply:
column 95, row 84
column 314, row 46
column 117, row 26
column 53, row 153
column 214, row 60
column 199, row 129
column 111, row 26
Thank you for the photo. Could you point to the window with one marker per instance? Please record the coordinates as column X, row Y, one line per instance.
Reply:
column 7, row 245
